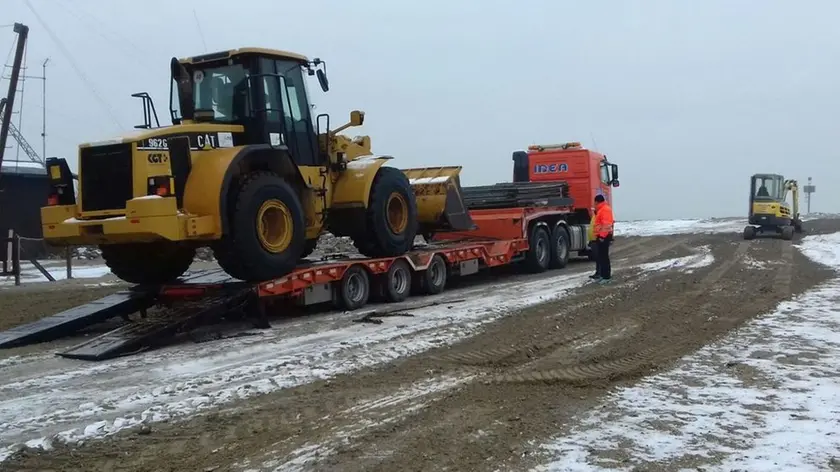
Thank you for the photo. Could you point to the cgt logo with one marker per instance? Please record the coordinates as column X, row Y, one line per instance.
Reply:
column 551, row 168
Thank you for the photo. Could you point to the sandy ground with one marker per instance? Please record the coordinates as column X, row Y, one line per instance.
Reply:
column 508, row 374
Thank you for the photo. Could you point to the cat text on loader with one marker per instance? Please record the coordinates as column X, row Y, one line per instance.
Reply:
column 245, row 170
column 769, row 210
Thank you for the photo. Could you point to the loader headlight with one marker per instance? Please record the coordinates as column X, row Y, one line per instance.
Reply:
column 160, row 185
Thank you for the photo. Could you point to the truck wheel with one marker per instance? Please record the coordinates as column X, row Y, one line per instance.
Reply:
column 353, row 290
column 749, row 232
column 431, row 281
column 797, row 226
column 559, row 247
column 787, row 233
column 267, row 233
column 396, row 283
column 391, row 217
column 539, row 251
column 153, row 263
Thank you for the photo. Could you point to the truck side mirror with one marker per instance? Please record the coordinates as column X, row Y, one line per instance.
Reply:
column 614, row 172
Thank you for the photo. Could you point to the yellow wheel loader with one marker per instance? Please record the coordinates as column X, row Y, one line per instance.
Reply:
column 246, row 170
column 769, row 210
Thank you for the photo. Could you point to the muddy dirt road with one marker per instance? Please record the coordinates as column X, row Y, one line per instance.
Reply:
column 518, row 375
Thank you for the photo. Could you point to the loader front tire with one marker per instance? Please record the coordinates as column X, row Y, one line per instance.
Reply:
column 391, row 217
column 267, row 230
column 153, row 263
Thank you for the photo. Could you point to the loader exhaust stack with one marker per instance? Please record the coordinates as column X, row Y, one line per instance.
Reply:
column 440, row 202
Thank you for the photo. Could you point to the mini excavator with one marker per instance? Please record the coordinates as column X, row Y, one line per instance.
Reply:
column 769, row 211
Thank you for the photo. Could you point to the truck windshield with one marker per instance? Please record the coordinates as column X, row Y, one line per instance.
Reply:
column 221, row 89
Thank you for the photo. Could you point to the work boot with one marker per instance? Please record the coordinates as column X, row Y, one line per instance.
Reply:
column 604, row 281
column 595, row 277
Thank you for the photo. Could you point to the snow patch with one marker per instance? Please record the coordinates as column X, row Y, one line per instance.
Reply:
column 764, row 398
column 688, row 264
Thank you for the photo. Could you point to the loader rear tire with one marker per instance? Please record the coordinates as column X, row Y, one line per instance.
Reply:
column 309, row 247
column 153, row 263
column 267, row 230
column 391, row 217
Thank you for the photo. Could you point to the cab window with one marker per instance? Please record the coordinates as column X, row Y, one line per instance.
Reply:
column 606, row 178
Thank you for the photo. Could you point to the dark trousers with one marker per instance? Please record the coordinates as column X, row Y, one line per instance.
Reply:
column 603, row 267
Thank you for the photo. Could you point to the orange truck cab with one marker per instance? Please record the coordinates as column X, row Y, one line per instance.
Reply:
column 587, row 173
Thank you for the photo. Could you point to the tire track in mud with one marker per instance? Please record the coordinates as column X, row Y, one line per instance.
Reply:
column 610, row 368
column 513, row 355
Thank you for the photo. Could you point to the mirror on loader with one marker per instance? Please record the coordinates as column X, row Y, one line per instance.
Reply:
column 320, row 73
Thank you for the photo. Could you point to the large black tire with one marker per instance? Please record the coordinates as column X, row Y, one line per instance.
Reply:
column 431, row 281
column 153, row 263
column 267, row 230
column 391, row 217
column 539, row 251
column 309, row 247
column 787, row 233
column 559, row 247
column 353, row 290
column 749, row 232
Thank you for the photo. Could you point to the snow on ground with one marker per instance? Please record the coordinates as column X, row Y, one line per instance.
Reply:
column 29, row 273
column 765, row 398
column 47, row 396
column 691, row 226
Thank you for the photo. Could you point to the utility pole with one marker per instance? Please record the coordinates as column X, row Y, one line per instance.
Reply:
column 809, row 189
column 44, row 105
column 22, row 32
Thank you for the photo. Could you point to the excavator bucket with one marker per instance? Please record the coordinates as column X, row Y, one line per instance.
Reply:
column 440, row 202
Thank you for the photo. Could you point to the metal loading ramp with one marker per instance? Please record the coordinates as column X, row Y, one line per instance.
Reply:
column 72, row 320
column 158, row 328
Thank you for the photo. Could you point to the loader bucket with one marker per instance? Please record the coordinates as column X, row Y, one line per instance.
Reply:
column 440, row 205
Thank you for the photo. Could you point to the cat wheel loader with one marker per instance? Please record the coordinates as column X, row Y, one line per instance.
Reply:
column 769, row 211
column 245, row 170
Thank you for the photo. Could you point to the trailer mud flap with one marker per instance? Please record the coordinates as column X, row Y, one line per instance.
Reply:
column 440, row 202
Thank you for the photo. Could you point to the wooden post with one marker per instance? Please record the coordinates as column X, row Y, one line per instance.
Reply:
column 16, row 255
column 68, row 251
column 9, row 256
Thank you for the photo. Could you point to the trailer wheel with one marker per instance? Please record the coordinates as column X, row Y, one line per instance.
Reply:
column 749, row 232
column 148, row 263
column 559, row 247
column 396, row 283
column 539, row 253
column 431, row 281
column 391, row 218
column 353, row 290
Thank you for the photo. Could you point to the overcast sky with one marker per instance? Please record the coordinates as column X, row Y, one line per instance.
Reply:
column 688, row 97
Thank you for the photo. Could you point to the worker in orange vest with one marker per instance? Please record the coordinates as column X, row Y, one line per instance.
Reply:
column 603, row 229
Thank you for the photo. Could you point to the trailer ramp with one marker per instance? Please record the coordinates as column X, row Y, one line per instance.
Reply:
column 160, row 327
column 68, row 322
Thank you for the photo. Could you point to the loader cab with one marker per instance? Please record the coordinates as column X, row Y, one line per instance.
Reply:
column 262, row 90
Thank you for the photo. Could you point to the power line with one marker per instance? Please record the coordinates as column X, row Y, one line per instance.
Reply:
column 75, row 66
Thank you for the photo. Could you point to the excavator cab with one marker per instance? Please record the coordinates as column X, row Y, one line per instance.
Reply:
column 769, row 211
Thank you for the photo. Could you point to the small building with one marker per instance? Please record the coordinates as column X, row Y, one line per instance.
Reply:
column 23, row 191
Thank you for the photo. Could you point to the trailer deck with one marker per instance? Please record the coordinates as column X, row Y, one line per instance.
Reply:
column 348, row 282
